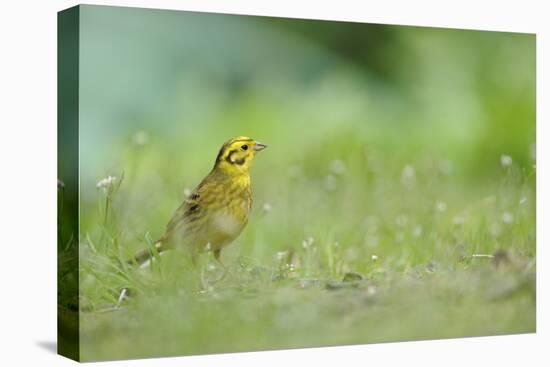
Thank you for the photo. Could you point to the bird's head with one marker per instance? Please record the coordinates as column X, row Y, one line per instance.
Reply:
column 237, row 154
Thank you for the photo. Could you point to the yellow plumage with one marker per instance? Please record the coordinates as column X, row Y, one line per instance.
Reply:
column 218, row 209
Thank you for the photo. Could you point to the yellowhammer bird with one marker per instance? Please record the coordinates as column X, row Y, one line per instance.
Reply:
column 217, row 210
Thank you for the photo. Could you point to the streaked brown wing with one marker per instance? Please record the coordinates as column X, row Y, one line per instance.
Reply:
column 189, row 212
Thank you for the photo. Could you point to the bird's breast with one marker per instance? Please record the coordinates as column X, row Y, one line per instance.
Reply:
column 228, row 220
column 227, row 223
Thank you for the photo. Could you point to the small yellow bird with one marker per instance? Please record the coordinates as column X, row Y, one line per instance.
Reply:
column 217, row 210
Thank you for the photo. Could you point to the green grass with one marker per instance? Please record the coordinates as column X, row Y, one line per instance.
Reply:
column 367, row 248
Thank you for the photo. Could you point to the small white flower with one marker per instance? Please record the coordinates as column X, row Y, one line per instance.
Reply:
column 408, row 171
column 307, row 242
column 507, row 217
column 408, row 174
column 458, row 220
column 140, row 138
column 267, row 207
column 187, row 192
column 417, row 231
column 337, row 167
column 440, row 206
column 522, row 201
column 374, row 258
column 281, row 255
column 505, row 160
column 105, row 183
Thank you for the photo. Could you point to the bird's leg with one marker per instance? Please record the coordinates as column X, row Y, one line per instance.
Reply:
column 204, row 281
column 217, row 256
column 217, row 253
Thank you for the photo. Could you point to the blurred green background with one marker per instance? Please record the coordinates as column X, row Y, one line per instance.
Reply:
column 397, row 155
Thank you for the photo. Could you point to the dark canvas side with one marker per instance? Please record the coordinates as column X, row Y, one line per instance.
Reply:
column 68, row 183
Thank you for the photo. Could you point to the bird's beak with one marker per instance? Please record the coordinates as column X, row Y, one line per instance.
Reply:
column 259, row 146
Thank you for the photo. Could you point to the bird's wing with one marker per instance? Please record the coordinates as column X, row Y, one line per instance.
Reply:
column 191, row 211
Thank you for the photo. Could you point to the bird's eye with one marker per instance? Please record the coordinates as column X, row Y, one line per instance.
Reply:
column 244, row 147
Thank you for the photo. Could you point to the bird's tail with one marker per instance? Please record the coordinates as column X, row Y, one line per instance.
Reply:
column 144, row 257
